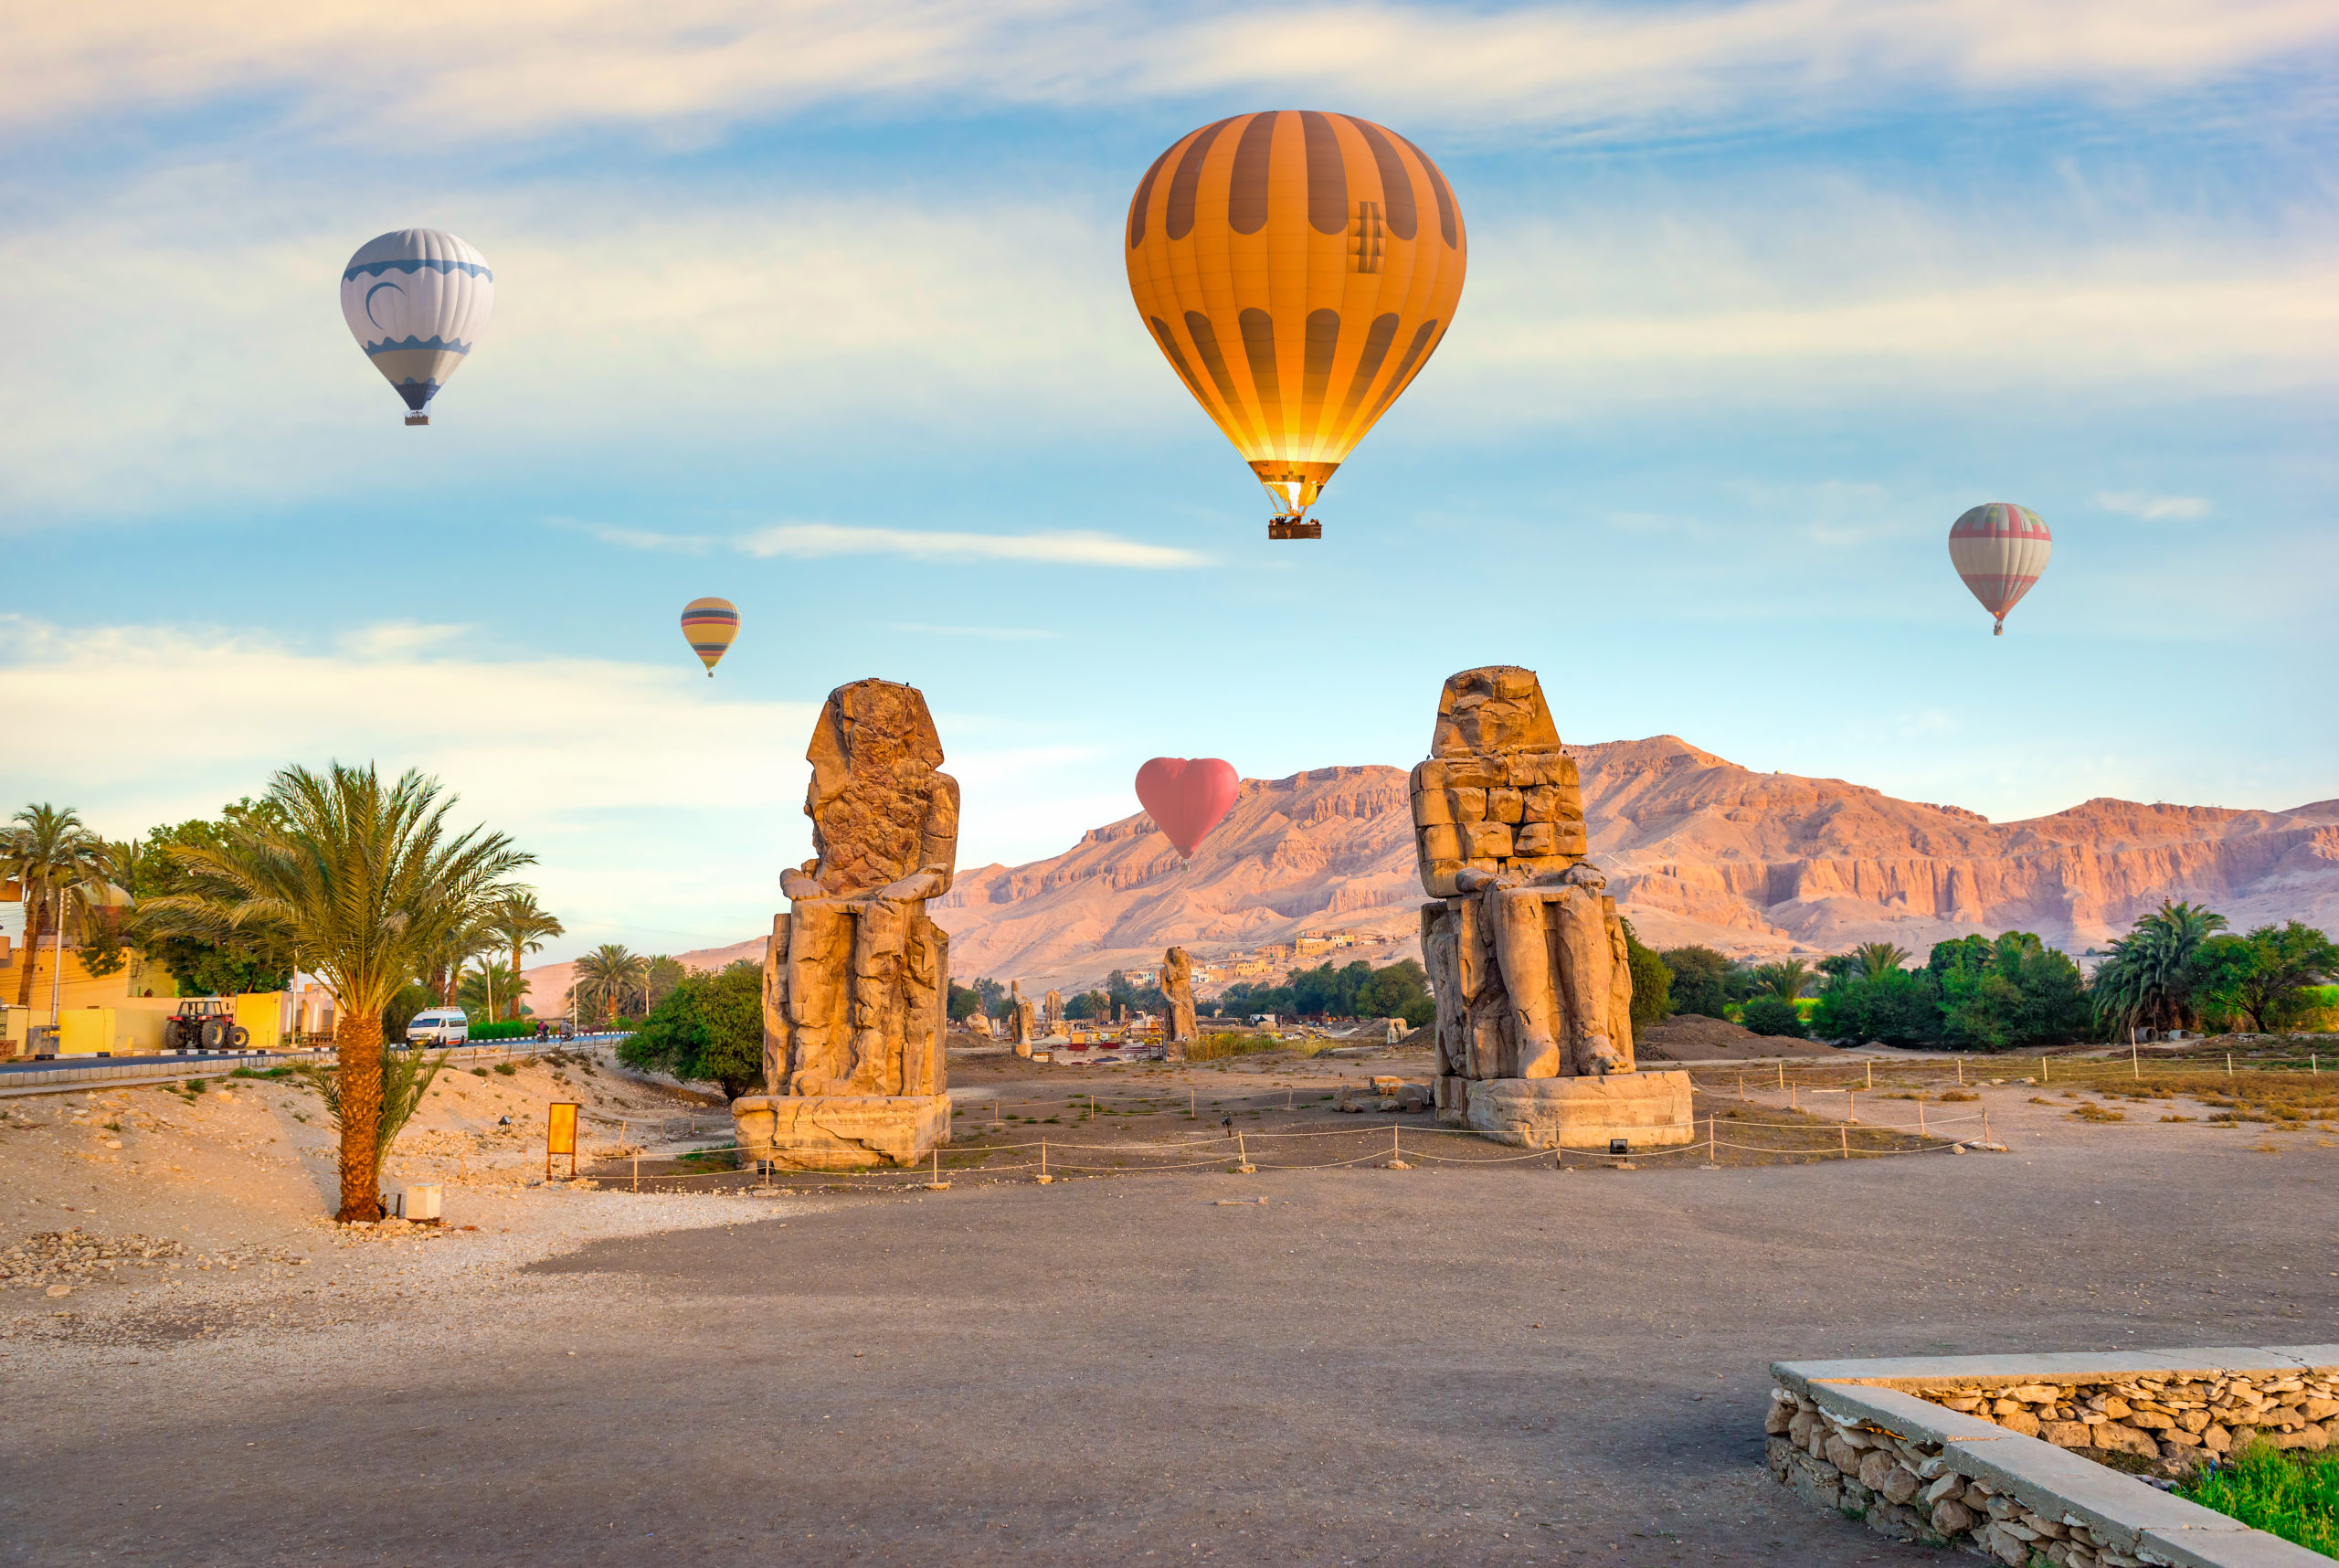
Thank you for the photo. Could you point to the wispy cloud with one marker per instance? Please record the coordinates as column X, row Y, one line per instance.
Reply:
column 812, row 541
column 459, row 68
column 2152, row 508
column 990, row 633
column 637, row 538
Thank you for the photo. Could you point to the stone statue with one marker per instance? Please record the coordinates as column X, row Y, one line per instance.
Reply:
column 1178, row 990
column 1020, row 1022
column 1525, row 951
column 1051, row 1012
column 856, row 978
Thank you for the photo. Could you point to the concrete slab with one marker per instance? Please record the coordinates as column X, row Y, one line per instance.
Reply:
column 2252, row 1549
column 2064, row 1486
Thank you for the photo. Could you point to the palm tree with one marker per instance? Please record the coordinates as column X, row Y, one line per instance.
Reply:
column 369, row 883
column 489, row 990
column 2149, row 978
column 608, row 977
column 1784, row 979
column 1877, row 959
column 49, row 854
column 523, row 925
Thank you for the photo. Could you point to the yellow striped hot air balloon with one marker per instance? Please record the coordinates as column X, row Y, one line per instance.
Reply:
column 1297, row 269
column 2000, row 550
column 708, row 626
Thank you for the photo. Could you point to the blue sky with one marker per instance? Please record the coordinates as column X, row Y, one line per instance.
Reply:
column 820, row 307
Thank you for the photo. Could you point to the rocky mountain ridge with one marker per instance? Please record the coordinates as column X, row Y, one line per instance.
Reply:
column 1697, row 848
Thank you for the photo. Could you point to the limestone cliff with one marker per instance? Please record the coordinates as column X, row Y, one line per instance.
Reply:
column 1697, row 850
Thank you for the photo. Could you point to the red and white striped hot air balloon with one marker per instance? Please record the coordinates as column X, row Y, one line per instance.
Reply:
column 2000, row 549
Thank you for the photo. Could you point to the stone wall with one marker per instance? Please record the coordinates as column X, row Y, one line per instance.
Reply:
column 1948, row 1460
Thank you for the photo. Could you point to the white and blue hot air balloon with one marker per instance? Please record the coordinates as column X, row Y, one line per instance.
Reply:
column 416, row 300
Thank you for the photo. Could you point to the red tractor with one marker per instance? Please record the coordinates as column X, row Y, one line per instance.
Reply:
column 204, row 1024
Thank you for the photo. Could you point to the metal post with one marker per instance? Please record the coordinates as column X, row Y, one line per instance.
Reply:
column 2042, row 1069
column 1783, row 1074
column 1709, row 1137
column 1961, row 1072
column 1871, row 1075
column 1844, row 1134
column 55, row 967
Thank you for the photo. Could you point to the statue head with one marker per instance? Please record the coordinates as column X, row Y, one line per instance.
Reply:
column 1494, row 708
column 875, row 754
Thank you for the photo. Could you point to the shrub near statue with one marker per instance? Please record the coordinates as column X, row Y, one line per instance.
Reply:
column 1526, row 955
column 856, row 977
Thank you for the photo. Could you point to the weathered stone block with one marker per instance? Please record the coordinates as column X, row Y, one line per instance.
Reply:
column 1648, row 1110
column 1431, row 807
column 1487, row 841
column 1440, row 841
column 1534, row 839
column 841, row 1133
column 1468, row 805
column 1504, row 804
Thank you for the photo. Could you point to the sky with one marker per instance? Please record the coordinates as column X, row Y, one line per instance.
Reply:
column 820, row 307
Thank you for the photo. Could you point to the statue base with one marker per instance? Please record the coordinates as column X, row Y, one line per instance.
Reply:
column 841, row 1133
column 1647, row 1110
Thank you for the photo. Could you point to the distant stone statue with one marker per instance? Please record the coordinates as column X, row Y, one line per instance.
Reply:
column 1178, row 990
column 1051, row 1012
column 1020, row 1024
column 1525, row 952
column 856, row 978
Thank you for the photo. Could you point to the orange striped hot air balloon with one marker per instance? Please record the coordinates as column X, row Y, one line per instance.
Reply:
column 708, row 626
column 1297, row 269
column 1999, row 549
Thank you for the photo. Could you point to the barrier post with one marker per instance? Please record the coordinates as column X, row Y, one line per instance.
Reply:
column 1985, row 1129
column 1846, row 1134
column 1044, row 1177
column 637, row 1170
column 2042, row 1069
column 1741, row 1085
column 1871, row 1075
column 1243, row 1166
column 1709, row 1139
column 1961, row 1072
column 2135, row 1068
column 1783, row 1074
column 1851, row 1108
column 1921, row 1114
column 2228, row 1064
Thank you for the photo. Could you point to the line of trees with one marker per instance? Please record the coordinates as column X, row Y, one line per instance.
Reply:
column 363, row 882
column 2178, row 968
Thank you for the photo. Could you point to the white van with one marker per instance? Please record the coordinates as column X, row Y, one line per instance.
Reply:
column 438, row 1026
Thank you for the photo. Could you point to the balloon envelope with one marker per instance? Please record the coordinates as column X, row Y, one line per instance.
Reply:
column 708, row 626
column 416, row 300
column 1188, row 798
column 1999, row 549
column 1297, row 269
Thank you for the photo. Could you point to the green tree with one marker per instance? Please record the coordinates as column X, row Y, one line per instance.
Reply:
column 490, row 992
column 521, row 924
column 2264, row 976
column 2010, row 993
column 2150, row 980
column 1701, row 981
column 658, row 983
column 49, row 854
column 367, row 882
column 965, row 1002
column 708, row 1029
column 1089, row 1004
column 225, row 963
column 1785, row 978
column 609, row 980
column 1773, row 1015
column 1877, row 959
column 1652, row 981
column 1897, row 1007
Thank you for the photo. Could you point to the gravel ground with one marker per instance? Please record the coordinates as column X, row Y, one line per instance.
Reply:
column 1506, row 1365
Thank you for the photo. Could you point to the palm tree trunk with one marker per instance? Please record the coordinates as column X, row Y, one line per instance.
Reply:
column 35, row 927
column 358, row 1034
column 519, row 986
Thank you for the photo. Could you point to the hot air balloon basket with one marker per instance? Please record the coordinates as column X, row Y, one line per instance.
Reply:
column 1293, row 528
column 417, row 418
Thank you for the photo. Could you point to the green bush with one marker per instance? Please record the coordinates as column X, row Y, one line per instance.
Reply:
column 709, row 1028
column 1770, row 1015
column 511, row 1029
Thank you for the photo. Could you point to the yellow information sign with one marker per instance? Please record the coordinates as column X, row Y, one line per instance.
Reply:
column 560, row 1135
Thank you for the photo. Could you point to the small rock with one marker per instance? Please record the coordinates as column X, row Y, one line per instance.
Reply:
column 1951, row 1516
column 60, row 1290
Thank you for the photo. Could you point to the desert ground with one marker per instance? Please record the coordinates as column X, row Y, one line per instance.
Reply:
column 1483, row 1363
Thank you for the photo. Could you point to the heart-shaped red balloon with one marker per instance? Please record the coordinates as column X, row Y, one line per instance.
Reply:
column 1188, row 798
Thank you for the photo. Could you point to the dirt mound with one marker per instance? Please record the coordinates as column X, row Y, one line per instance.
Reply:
column 1690, row 1037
